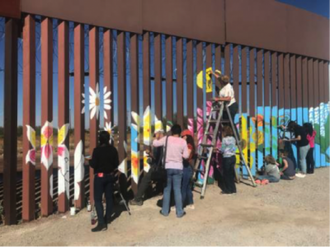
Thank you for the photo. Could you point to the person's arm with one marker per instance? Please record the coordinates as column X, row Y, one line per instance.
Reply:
column 314, row 133
column 228, row 95
column 159, row 143
column 186, row 152
column 298, row 138
column 222, row 99
column 189, row 149
column 93, row 162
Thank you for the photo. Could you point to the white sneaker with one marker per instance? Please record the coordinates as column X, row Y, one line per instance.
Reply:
column 173, row 209
column 191, row 206
column 300, row 175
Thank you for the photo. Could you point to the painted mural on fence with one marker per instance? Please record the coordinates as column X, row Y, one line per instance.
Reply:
column 200, row 135
column 63, row 162
column 79, row 169
column 147, row 138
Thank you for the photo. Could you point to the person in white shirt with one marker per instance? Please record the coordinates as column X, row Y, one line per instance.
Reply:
column 226, row 94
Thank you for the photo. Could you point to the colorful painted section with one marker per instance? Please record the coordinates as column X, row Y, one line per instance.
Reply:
column 79, row 169
column 259, row 136
column 327, row 133
column 322, row 133
column 63, row 162
column 274, row 132
column 135, row 167
column 267, row 133
column 252, row 145
column 245, row 141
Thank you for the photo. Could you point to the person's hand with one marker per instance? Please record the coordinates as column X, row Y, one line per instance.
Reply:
column 281, row 173
column 148, row 152
column 215, row 99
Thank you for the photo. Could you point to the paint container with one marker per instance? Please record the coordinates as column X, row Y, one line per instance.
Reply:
column 93, row 217
column 89, row 206
column 72, row 211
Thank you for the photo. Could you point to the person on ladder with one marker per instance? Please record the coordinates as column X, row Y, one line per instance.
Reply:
column 226, row 95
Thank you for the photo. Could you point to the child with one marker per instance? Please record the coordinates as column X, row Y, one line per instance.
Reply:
column 228, row 150
column 311, row 133
column 271, row 172
column 186, row 190
column 288, row 172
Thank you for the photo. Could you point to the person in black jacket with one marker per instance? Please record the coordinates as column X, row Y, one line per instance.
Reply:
column 154, row 159
column 104, row 162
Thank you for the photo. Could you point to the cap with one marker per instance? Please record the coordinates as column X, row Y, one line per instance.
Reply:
column 159, row 131
column 186, row 133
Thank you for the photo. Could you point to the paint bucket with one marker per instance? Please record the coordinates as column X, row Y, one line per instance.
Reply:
column 72, row 211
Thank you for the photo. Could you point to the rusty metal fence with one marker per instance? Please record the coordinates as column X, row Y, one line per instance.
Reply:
column 131, row 84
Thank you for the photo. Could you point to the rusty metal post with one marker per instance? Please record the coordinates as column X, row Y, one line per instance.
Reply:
column 29, row 135
column 95, row 102
column 46, row 113
column 108, row 72
column 146, row 95
column 200, row 110
column 63, row 119
column 158, row 77
column 179, row 82
column 134, row 69
column 169, row 78
column 122, row 116
column 79, row 120
column 227, row 60
column 190, row 85
column 208, row 65
column 10, row 120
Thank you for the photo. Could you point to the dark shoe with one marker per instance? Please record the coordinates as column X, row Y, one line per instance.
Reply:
column 184, row 213
column 106, row 220
column 135, row 202
column 99, row 228
column 162, row 213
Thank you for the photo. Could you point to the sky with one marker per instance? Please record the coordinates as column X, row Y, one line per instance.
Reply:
column 320, row 7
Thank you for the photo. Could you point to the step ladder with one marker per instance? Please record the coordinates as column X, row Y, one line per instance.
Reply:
column 205, row 150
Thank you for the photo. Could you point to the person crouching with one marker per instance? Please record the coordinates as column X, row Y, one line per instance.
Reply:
column 104, row 162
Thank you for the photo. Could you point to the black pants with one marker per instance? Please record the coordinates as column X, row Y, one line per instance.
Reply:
column 145, row 182
column 233, row 109
column 103, row 185
column 310, row 161
column 229, row 174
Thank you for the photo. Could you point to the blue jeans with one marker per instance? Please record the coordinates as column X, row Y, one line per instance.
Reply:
column 187, row 195
column 271, row 179
column 174, row 178
column 302, row 158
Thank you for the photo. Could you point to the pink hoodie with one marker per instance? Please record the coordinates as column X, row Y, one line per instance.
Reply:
column 177, row 150
column 311, row 139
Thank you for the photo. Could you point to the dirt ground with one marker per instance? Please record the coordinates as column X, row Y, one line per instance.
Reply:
column 288, row 213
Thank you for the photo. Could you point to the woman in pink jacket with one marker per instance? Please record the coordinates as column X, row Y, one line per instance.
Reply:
column 177, row 150
column 311, row 133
